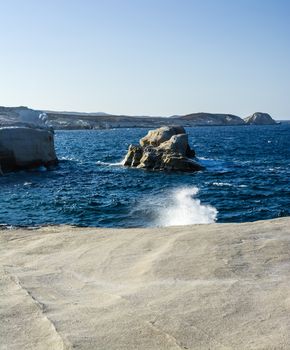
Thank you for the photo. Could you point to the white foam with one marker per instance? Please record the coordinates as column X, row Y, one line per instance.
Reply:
column 99, row 162
column 69, row 158
column 183, row 208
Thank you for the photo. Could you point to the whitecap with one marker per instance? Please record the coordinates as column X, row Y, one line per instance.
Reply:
column 221, row 184
column 70, row 159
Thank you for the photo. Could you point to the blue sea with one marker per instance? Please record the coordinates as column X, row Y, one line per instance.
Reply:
column 246, row 179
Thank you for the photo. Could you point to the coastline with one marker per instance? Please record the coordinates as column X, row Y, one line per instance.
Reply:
column 221, row 286
column 99, row 120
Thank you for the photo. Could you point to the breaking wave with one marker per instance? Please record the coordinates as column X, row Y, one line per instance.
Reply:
column 183, row 208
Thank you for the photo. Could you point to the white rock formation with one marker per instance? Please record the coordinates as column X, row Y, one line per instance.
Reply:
column 26, row 147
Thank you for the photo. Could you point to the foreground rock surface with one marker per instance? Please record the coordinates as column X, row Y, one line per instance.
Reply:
column 26, row 147
column 165, row 148
column 259, row 118
column 218, row 286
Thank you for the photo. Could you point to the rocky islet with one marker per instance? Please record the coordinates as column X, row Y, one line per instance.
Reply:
column 165, row 148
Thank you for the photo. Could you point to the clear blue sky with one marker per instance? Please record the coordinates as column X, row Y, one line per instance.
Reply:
column 157, row 57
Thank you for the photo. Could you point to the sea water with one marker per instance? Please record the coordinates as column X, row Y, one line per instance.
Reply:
column 246, row 178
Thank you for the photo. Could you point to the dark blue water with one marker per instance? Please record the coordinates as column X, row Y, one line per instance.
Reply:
column 247, row 179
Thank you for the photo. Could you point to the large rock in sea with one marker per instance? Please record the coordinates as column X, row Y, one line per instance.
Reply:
column 165, row 148
column 259, row 118
column 26, row 147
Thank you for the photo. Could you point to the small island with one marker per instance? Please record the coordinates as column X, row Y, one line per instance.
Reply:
column 259, row 118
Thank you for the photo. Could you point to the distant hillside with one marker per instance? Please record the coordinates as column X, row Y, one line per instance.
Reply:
column 96, row 121
column 212, row 119
column 100, row 120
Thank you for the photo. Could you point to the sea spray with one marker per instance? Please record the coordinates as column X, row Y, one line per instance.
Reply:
column 183, row 208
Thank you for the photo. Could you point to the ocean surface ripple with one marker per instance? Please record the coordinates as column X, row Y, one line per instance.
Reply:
column 246, row 178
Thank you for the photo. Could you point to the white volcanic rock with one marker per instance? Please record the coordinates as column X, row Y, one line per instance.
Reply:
column 199, row 287
column 259, row 118
column 25, row 147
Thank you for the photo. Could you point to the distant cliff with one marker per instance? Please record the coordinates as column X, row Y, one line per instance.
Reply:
column 76, row 121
